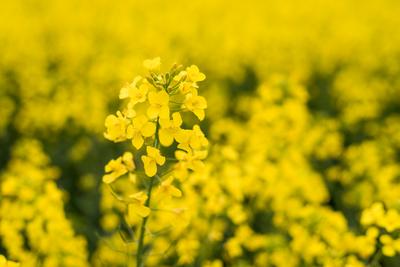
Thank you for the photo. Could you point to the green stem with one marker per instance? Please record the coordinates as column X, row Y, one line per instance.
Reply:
column 376, row 258
column 139, row 254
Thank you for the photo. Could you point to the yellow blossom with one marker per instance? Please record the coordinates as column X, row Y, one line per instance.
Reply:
column 191, row 139
column 136, row 205
column 116, row 127
column 233, row 248
column 118, row 167
column 169, row 129
column 390, row 246
column 391, row 220
column 159, row 105
column 373, row 214
column 127, row 90
column 167, row 189
column 136, row 94
column 196, row 104
column 141, row 127
column 194, row 75
column 197, row 138
column 186, row 87
column 150, row 161
column 191, row 159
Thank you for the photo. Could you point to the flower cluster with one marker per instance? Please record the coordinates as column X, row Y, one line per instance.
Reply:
column 34, row 229
column 389, row 223
column 164, row 153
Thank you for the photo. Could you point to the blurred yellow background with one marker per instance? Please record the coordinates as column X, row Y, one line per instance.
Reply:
column 303, row 120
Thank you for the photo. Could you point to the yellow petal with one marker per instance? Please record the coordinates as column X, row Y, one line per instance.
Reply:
column 198, row 166
column 152, row 96
column 168, row 181
column 160, row 160
column 137, row 141
column 164, row 112
column 143, row 211
column 386, row 239
column 139, row 121
column 177, row 119
column 175, row 192
column 388, row 251
column 132, row 178
column 127, row 157
column 153, row 112
column 141, row 197
column 109, row 178
column 166, row 139
column 148, row 129
column 199, row 113
column 182, row 136
column 138, row 209
column 124, row 92
column 163, row 98
column 180, row 155
column 150, row 167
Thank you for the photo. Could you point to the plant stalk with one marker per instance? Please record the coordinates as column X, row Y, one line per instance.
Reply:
column 140, row 250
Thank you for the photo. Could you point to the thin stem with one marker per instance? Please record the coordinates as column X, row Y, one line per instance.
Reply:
column 139, row 255
column 376, row 258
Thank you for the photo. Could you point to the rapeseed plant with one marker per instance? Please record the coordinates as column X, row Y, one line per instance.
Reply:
column 152, row 120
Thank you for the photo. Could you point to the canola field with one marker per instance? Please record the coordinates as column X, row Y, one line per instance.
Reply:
column 200, row 133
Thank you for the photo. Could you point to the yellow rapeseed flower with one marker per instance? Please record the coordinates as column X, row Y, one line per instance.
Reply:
column 150, row 161
column 118, row 167
column 373, row 214
column 167, row 189
column 390, row 246
column 196, row 104
column 136, row 205
column 159, row 102
column 391, row 220
column 129, row 89
column 169, row 129
column 194, row 74
column 140, row 128
column 191, row 159
column 191, row 139
column 116, row 127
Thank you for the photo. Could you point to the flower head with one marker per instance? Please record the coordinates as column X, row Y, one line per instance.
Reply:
column 116, row 127
column 159, row 102
column 194, row 75
column 167, row 189
column 137, row 205
column 390, row 245
column 196, row 104
column 169, row 129
column 151, row 161
column 118, row 167
column 140, row 128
